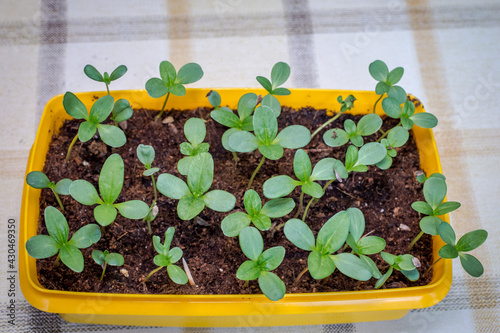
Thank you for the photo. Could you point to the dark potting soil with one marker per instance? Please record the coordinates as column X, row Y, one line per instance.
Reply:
column 213, row 259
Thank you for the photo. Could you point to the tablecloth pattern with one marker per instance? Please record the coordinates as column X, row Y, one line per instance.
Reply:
column 450, row 50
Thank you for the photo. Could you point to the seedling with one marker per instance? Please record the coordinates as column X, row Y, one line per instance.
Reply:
column 256, row 214
column 403, row 263
column 95, row 75
column 332, row 236
column 407, row 115
column 369, row 154
column 367, row 125
column 45, row 246
column 225, row 116
column 105, row 258
column 195, row 131
column 99, row 112
column 39, row 180
column 121, row 111
column 267, row 139
column 434, row 193
column 279, row 74
column 193, row 196
column 172, row 82
column 261, row 264
column 386, row 82
column 345, row 105
column 366, row 245
column 167, row 257
column 110, row 187
column 146, row 155
column 397, row 137
column 466, row 243
column 283, row 185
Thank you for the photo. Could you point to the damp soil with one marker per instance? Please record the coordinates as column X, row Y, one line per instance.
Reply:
column 213, row 259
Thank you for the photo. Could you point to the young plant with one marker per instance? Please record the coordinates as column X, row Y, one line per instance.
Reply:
column 407, row 115
column 434, row 193
column 99, row 112
column 261, row 264
column 403, row 263
column 367, row 125
column 195, row 132
column 225, row 116
column 167, row 257
column 283, row 185
column 396, row 137
column 267, row 139
column 39, row 180
column 345, row 105
column 279, row 74
column 466, row 243
column 369, row 154
column 172, row 82
column 322, row 261
column 58, row 241
column 105, row 258
column 386, row 82
column 110, row 187
column 256, row 214
column 95, row 75
column 193, row 196
column 366, row 245
column 146, row 155
column 121, row 111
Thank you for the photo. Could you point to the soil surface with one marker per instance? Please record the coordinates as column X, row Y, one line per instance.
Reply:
column 213, row 259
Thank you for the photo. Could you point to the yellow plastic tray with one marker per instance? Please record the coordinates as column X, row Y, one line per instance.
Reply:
column 221, row 310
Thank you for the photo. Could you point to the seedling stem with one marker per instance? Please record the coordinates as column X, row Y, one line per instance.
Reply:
column 71, row 146
column 163, row 107
column 326, row 124
column 255, row 172
column 375, row 105
column 301, row 205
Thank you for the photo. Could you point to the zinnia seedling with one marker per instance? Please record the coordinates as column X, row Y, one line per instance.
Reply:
column 146, row 155
column 195, row 132
column 95, row 75
column 386, row 82
column 279, row 74
column 397, row 137
column 403, row 263
column 105, row 258
column 283, row 185
column 367, row 125
column 193, row 196
column 121, row 111
column 345, row 105
column 322, row 261
column 434, row 193
column 110, row 187
column 99, row 112
column 39, row 180
column 267, row 139
column 172, row 82
column 468, row 242
column 261, row 264
column 167, row 257
column 58, row 242
column 256, row 214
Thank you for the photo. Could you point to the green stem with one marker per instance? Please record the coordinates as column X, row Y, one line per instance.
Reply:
column 301, row 205
column 58, row 199
column 152, row 272
column 56, row 263
column 415, row 240
column 107, row 88
column 304, row 271
column 255, row 172
column 163, row 107
column 429, row 269
column 307, row 208
column 152, row 205
column 328, row 184
column 103, row 270
column 71, row 146
column 375, row 105
column 384, row 134
column 326, row 124
column 235, row 157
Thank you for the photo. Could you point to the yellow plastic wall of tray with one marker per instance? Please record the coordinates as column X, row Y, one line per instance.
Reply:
column 221, row 310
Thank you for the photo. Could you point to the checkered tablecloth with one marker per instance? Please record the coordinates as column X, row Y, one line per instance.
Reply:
column 450, row 51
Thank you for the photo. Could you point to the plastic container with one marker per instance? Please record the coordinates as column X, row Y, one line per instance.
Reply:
column 221, row 310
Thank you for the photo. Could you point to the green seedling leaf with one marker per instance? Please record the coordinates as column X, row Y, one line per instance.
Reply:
column 251, row 243
column 146, row 155
column 189, row 73
column 299, row 234
column 111, row 178
column 370, row 263
column 86, row 236
column 357, row 223
column 324, row 169
column 271, row 258
column 279, row 74
column 336, row 137
column 471, row 240
column 74, row 107
column 249, row 270
column 371, row 153
column 273, row 103
column 302, row 165
column 98, row 257
column 56, row 224
column 72, row 257
column 351, row 266
column 86, row 131
column 434, row 191
column 279, row 186
column 293, row 137
column 93, row 73
column 42, row 246
column 132, row 209
column 448, row 252
column 471, row 265
column 397, row 136
column 369, row 124
column 265, row 83
column 220, row 201
column 84, row 192
column 447, row 207
column 172, row 186
column 118, row 72
column 447, row 234
column 272, row 286
column 195, row 131
column 334, row 233
column 425, row 120
column 430, row 225
column 189, row 207
column 379, row 70
column 62, row 186
column 200, row 174
column 392, row 108
column 233, row 224
column 214, row 98
column 422, row 207
column 395, row 75
column 371, row 245
column 37, row 179
column 320, row 266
